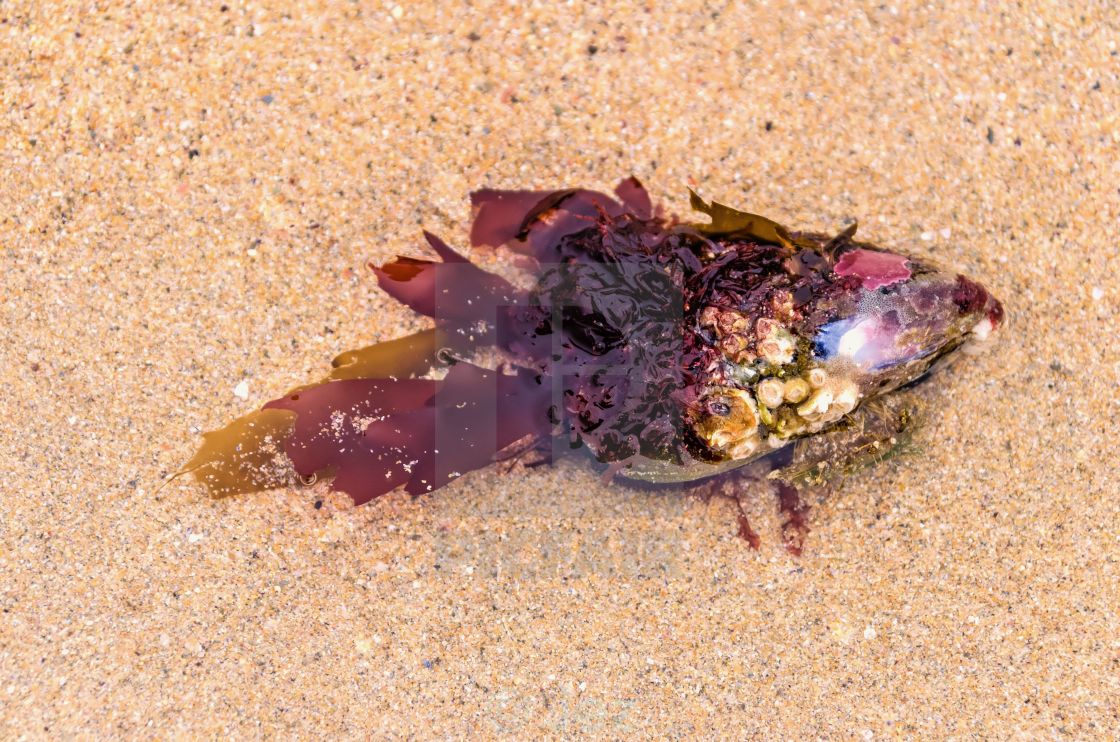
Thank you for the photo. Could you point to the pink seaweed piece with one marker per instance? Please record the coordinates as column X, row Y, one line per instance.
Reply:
column 332, row 417
column 452, row 290
column 378, row 434
column 635, row 197
column 874, row 269
column 535, row 221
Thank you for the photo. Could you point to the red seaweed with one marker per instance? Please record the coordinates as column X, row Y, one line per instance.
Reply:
column 875, row 269
column 796, row 527
column 453, row 290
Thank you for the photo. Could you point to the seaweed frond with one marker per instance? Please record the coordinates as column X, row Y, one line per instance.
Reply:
column 728, row 221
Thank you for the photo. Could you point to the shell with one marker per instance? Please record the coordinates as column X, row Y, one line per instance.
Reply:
column 671, row 350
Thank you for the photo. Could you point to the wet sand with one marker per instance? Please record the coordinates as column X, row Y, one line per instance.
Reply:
column 189, row 197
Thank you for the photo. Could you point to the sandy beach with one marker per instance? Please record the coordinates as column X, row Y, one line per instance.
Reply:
column 189, row 197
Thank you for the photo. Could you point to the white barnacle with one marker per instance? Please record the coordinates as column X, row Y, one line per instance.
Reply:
column 816, row 405
column 778, row 351
column 776, row 344
column 795, row 390
column 830, row 402
column 771, row 392
column 765, row 327
column 818, row 377
column 978, row 337
column 744, row 448
column 845, row 400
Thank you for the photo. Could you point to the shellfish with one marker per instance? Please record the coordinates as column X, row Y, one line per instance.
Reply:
column 672, row 351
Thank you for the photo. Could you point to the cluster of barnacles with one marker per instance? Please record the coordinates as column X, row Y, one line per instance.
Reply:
column 742, row 343
column 765, row 396
column 731, row 330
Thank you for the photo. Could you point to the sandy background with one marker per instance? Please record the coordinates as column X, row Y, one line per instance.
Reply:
column 188, row 196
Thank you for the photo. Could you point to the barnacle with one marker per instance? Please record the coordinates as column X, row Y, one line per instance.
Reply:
column 727, row 419
column 776, row 344
column 795, row 390
column 817, row 404
column 771, row 392
column 830, row 401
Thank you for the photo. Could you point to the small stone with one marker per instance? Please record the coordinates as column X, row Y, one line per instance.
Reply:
column 241, row 391
column 1097, row 293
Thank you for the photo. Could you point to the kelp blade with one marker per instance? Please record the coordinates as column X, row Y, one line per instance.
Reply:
column 244, row 456
column 247, row 455
column 412, row 355
column 729, row 221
